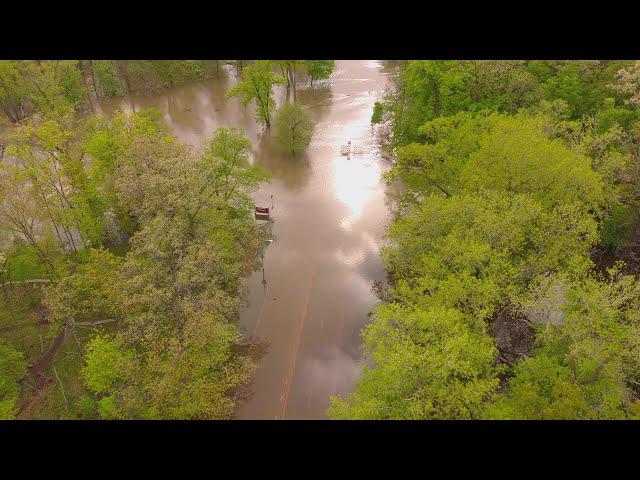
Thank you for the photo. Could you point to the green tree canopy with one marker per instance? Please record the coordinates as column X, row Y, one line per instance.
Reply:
column 257, row 85
column 295, row 129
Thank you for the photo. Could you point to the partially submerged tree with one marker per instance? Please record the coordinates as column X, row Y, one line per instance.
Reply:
column 28, row 86
column 289, row 69
column 319, row 69
column 295, row 129
column 257, row 85
column 316, row 69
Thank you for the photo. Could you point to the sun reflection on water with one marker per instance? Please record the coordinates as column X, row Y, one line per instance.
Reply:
column 355, row 181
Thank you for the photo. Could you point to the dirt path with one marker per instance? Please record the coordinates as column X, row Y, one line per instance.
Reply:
column 36, row 375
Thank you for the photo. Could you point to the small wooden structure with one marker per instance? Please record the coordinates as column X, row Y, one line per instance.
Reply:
column 262, row 213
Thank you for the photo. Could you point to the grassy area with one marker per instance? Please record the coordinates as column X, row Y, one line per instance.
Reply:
column 23, row 264
column 68, row 363
column 24, row 324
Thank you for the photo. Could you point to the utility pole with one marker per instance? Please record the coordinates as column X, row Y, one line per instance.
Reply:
column 264, row 280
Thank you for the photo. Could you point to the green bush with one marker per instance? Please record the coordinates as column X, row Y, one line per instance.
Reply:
column 23, row 264
column 12, row 368
column 617, row 227
column 376, row 117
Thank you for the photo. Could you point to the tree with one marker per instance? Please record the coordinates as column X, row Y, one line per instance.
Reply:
column 177, row 292
column 319, row 69
column 295, row 129
column 106, row 80
column 226, row 160
column 175, row 357
column 85, row 295
column 466, row 152
column 185, row 377
column 19, row 214
column 499, row 85
column 428, row 364
column 487, row 213
column 239, row 66
column 584, row 366
column 289, row 69
column 89, row 83
column 56, row 177
column 376, row 116
column 14, row 90
column 3, row 264
column 427, row 89
column 627, row 84
column 53, row 86
column 12, row 369
column 582, row 84
column 257, row 85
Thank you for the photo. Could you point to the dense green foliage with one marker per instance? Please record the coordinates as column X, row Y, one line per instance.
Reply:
column 62, row 85
column 294, row 128
column 256, row 85
column 176, row 292
column 515, row 175
column 319, row 69
column 148, row 76
column 520, row 188
column 376, row 116
column 429, row 89
column 144, row 242
column 12, row 369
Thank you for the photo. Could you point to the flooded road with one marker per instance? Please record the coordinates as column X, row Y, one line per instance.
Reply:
column 329, row 212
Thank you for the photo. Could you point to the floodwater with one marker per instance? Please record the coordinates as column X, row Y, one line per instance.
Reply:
column 310, row 302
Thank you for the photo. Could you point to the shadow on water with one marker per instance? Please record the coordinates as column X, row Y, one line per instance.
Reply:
column 292, row 170
column 255, row 349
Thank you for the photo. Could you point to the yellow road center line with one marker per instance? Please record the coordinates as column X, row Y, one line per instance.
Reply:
column 296, row 347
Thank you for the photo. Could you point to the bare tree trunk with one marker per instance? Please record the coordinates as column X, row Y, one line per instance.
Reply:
column 239, row 65
column 11, row 103
column 285, row 74
column 93, row 78
column 436, row 94
column 124, row 78
column 8, row 113
column 293, row 82
column 41, row 91
column 87, row 80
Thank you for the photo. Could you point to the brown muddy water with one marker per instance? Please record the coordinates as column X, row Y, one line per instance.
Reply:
column 329, row 212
